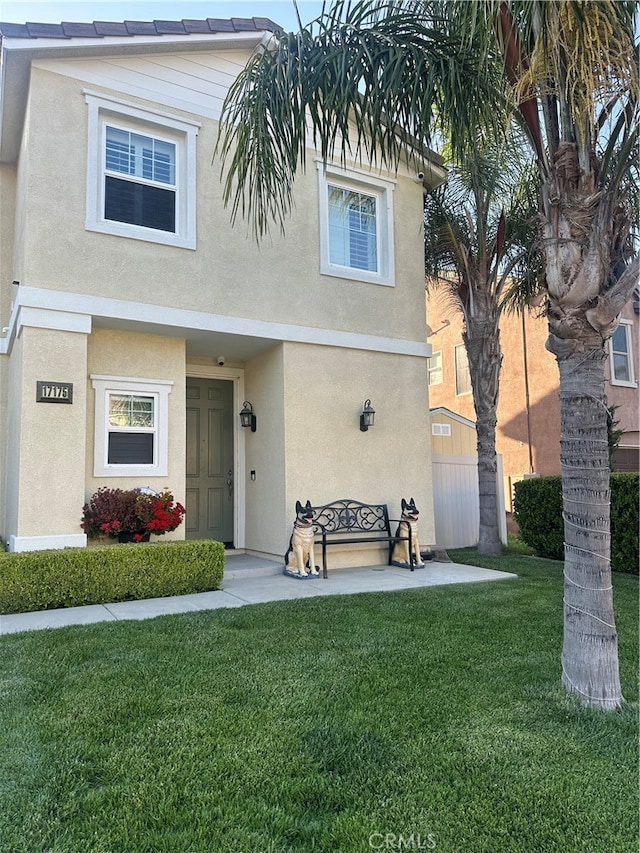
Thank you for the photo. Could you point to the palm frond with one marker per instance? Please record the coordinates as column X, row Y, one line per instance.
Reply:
column 368, row 80
column 481, row 227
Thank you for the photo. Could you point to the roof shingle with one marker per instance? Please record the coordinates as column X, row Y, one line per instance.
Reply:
column 102, row 29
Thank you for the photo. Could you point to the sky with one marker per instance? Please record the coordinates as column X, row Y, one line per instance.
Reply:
column 55, row 11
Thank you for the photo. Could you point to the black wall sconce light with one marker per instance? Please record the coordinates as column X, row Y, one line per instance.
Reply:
column 247, row 418
column 368, row 416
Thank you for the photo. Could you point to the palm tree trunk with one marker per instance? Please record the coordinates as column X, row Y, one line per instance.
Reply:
column 482, row 341
column 590, row 650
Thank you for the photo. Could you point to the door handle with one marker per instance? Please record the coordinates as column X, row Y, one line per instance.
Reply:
column 230, row 483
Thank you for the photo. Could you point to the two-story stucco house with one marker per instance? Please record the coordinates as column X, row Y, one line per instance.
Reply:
column 137, row 321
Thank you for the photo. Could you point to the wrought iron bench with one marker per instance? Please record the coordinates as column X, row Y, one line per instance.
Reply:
column 346, row 522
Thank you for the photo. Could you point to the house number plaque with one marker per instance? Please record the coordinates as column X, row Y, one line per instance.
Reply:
column 54, row 392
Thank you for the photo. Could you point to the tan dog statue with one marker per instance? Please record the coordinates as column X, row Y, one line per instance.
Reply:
column 299, row 561
column 408, row 519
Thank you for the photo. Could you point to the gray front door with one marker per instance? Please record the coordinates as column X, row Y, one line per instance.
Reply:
column 210, row 480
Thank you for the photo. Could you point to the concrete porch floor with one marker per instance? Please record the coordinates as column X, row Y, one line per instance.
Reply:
column 253, row 580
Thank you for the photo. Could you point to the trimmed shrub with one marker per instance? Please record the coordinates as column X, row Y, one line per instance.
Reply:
column 538, row 511
column 537, row 507
column 625, row 522
column 44, row 580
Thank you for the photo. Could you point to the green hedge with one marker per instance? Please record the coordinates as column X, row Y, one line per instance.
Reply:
column 538, row 510
column 625, row 518
column 44, row 580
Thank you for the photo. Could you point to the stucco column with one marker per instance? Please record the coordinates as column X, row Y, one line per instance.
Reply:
column 46, row 453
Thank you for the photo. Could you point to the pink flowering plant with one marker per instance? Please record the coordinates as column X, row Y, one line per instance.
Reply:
column 111, row 512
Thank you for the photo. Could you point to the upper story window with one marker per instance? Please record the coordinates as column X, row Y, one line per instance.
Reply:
column 621, row 355
column 463, row 376
column 353, row 231
column 356, row 226
column 435, row 368
column 141, row 180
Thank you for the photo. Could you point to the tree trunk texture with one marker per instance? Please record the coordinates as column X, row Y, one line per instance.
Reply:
column 590, row 649
column 582, row 314
column 482, row 341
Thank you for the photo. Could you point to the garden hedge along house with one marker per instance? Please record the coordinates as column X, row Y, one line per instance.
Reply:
column 137, row 321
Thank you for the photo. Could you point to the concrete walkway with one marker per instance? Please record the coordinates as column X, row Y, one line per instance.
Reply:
column 251, row 580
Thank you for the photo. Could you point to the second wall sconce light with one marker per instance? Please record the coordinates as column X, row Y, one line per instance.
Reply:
column 247, row 418
column 368, row 416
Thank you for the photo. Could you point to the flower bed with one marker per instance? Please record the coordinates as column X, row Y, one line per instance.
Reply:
column 131, row 514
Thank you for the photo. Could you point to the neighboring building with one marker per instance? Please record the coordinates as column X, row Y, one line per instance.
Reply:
column 126, row 293
column 623, row 372
column 528, row 430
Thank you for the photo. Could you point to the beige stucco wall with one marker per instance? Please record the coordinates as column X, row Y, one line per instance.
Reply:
column 134, row 356
column 329, row 458
column 4, row 427
column 308, row 444
column 48, row 464
column 7, row 236
column 265, row 454
column 228, row 273
column 12, row 406
column 23, row 187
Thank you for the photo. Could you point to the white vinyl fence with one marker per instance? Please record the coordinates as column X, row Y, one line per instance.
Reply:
column 455, row 500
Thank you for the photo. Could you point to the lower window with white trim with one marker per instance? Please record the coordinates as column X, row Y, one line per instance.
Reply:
column 131, row 426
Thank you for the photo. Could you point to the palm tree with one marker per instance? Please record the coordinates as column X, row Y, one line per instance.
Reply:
column 479, row 229
column 387, row 69
column 574, row 69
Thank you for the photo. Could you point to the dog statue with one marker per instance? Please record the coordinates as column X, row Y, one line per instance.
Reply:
column 408, row 519
column 299, row 561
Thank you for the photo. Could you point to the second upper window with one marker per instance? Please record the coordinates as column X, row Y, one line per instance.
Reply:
column 356, row 226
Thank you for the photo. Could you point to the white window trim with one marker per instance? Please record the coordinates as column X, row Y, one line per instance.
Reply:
column 160, row 390
column 182, row 132
column 382, row 189
column 628, row 326
column 436, row 355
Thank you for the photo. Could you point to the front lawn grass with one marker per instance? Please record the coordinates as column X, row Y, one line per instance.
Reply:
column 426, row 719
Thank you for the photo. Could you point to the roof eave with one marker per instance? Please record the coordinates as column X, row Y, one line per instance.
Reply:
column 17, row 54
